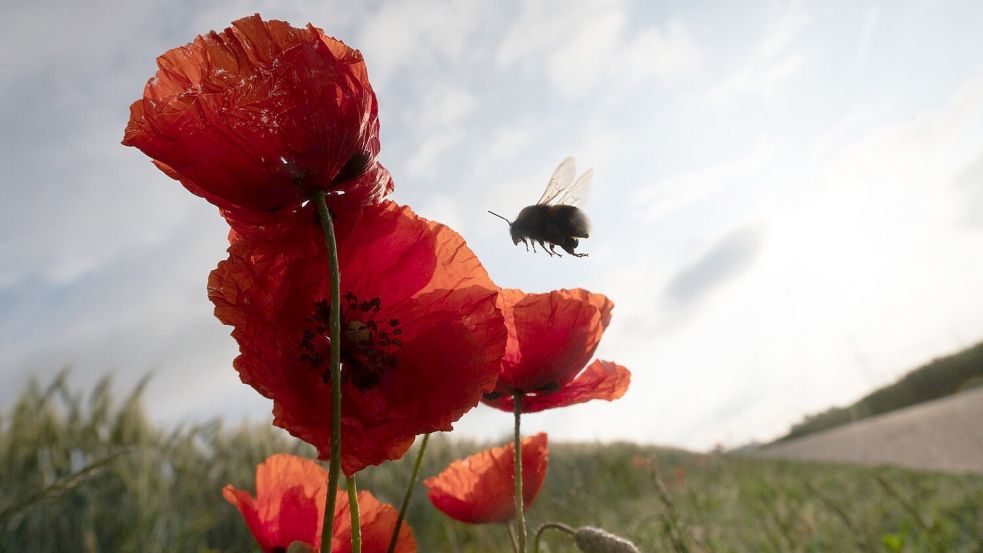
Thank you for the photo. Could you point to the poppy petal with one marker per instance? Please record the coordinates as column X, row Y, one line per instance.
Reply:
column 481, row 488
column 601, row 380
column 256, row 117
column 289, row 507
column 241, row 500
column 289, row 504
column 377, row 520
column 422, row 336
column 552, row 336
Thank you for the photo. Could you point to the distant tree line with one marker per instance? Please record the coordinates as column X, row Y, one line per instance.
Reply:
column 939, row 378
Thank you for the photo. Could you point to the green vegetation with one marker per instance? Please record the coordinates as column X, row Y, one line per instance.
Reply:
column 87, row 474
column 939, row 378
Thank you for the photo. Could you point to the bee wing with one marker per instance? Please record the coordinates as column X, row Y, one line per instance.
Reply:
column 560, row 180
column 578, row 192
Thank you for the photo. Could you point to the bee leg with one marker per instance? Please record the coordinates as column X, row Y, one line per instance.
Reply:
column 569, row 249
column 545, row 248
column 553, row 249
column 526, row 244
column 533, row 246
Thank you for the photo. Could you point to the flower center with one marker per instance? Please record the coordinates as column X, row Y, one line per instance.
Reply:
column 355, row 167
column 368, row 346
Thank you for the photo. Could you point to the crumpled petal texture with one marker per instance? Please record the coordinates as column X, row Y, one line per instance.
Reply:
column 601, row 380
column 481, row 488
column 289, row 504
column 291, row 494
column 377, row 520
column 552, row 336
column 422, row 337
column 256, row 117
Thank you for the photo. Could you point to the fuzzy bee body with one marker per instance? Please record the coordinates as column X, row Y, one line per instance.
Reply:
column 556, row 225
column 555, row 220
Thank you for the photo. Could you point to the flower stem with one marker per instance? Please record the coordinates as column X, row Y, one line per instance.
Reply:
column 515, row 546
column 556, row 525
column 353, row 509
column 334, row 275
column 409, row 493
column 520, row 517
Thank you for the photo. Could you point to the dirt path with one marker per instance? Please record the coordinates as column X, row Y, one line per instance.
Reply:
column 944, row 435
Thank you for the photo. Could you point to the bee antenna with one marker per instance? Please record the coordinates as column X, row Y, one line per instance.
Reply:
column 500, row 217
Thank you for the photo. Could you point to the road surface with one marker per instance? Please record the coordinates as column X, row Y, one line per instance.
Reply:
column 942, row 435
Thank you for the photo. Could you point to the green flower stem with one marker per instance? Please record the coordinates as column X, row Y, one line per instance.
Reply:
column 334, row 274
column 515, row 546
column 520, row 517
column 353, row 509
column 409, row 493
column 555, row 525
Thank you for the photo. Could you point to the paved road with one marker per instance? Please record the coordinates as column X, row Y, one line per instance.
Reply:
column 944, row 435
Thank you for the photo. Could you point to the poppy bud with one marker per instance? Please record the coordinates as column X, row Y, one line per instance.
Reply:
column 300, row 547
column 595, row 540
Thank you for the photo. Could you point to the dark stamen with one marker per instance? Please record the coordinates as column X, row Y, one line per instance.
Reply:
column 368, row 352
column 355, row 167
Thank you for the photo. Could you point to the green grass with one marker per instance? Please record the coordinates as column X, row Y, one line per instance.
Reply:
column 159, row 490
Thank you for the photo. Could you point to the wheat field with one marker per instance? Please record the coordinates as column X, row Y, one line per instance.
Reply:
column 82, row 472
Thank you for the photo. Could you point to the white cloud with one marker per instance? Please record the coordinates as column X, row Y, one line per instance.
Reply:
column 724, row 260
column 507, row 142
column 84, row 211
column 441, row 106
column 34, row 35
column 444, row 209
column 658, row 52
column 585, row 54
column 437, row 122
column 867, row 33
column 416, row 33
column 969, row 186
column 585, row 43
column 334, row 16
column 543, row 23
column 682, row 191
column 428, row 155
column 772, row 62
column 864, row 274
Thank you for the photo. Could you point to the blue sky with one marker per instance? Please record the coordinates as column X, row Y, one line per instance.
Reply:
column 787, row 202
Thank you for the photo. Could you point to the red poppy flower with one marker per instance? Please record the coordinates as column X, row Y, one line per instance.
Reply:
column 552, row 336
column 289, row 506
column 377, row 520
column 481, row 488
column 256, row 117
column 422, row 338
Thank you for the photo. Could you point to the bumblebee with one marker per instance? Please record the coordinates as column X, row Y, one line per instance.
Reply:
column 556, row 219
